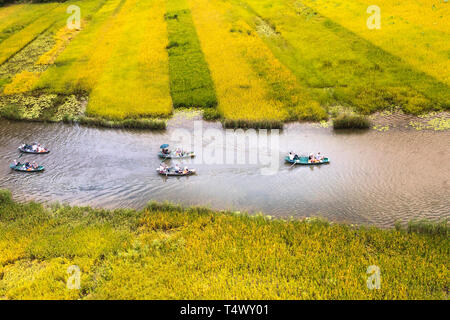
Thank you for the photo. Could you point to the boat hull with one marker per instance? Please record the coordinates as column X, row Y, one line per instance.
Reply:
column 33, row 152
column 22, row 168
column 305, row 162
column 171, row 156
column 175, row 174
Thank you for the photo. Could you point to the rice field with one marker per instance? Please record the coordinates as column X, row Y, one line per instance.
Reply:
column 340, row 67
column 135, row 87
column 247, row 60
column 241, row 94
column 167, row 252
column 190, row 79
column 15, row 18
column 425, row 40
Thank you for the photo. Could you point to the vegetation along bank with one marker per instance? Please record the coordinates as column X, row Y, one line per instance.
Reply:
column 168, row 252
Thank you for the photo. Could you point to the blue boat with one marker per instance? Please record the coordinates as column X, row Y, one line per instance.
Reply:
column 23, row 168
column 305, row 161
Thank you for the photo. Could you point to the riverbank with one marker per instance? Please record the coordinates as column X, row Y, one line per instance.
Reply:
column 166, row 252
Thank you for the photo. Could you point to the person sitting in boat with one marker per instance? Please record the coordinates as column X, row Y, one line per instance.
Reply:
column 177, row 168
column 34, row 165
column 185, row 170
column 319, row 157
column 291, row 156
column 165, row 151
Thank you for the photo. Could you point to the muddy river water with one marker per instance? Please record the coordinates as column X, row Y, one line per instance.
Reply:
column 374, row 178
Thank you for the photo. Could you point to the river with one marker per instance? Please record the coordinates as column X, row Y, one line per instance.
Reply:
column 374, row 178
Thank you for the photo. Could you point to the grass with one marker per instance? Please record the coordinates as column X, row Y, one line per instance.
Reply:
column 41, row 107
column 78, row 67
column 97, row 62
column 427, row 227
column 147, row 124
column 169, row 252
column 211, row 114
column 246, row 60
column 251, row 84
column 424, row 42
column 190, row 79
column 351, row 121
column 14, row 18
column 18, row 40
column 338, row 66
column 241, row 93
column 254, row 124
column 137, row 87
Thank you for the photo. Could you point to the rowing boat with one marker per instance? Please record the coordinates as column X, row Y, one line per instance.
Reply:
column 176, row 156
column 306, row 161
column 173, row 172
column 25, row 150
column 22, row 168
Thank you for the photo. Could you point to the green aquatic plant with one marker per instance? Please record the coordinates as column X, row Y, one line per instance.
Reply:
column 211, row 114
column 147, row 124
column 381, row 128
column 436, row 124
column 351, row 121
column 41, row 107
column 247, row 124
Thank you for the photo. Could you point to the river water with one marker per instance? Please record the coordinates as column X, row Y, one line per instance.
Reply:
column 374, row 178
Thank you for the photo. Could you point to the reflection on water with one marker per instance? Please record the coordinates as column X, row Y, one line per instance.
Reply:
column 374, row 178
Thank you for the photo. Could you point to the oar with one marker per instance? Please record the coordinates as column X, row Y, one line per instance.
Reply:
column 293, row 164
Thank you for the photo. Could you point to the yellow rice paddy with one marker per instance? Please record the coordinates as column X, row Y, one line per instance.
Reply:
column 138, row 86
column 241, row 93
column 416, row 31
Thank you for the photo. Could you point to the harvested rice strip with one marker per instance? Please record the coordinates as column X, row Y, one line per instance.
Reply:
column 135, row 81
column 242, row 94
column 190, row 79
column 62, row 39
column 80, row 64
column 22, row 82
